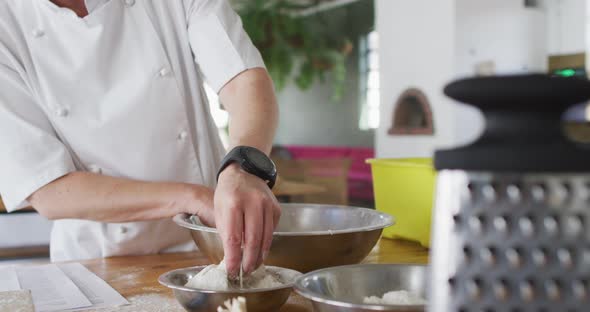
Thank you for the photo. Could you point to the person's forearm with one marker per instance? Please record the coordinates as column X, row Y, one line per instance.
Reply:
column 250, row 100
column 82, row 195
column 246, row 212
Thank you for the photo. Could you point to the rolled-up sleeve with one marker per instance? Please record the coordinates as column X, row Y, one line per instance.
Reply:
column 32, row 155
column 221, row 47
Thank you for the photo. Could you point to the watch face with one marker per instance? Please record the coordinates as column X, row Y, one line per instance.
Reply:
column 260, row 160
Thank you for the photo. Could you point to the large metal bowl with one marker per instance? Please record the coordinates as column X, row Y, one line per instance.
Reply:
column 201, row 300
column 308, row 237
column 342, row 289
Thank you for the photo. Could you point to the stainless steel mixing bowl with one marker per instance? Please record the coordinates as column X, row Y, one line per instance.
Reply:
column 308, row 237
column 199, row 300
column 342, row 289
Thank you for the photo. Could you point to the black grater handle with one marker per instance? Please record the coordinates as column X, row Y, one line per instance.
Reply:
column 523, row 124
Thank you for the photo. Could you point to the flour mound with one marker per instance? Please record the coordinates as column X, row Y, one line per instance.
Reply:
column 401, row 297
column 214, row 277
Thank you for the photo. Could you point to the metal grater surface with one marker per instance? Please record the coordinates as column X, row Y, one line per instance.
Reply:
column 511, row 242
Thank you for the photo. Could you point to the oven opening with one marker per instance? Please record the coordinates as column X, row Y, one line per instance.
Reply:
column 412, row 114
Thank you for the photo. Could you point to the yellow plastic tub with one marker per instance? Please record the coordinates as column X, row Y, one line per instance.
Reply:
column 404, row 188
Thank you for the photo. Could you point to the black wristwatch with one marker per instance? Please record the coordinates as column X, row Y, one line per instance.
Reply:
column 252, row 161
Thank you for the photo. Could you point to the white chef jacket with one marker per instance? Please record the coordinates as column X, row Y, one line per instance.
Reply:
column 120, row 93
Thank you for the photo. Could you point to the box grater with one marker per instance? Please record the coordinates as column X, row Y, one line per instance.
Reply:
column 511, row 225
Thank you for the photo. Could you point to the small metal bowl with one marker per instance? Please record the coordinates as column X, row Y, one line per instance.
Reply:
column 201, row 300
column 308, row 237
column 342, row 289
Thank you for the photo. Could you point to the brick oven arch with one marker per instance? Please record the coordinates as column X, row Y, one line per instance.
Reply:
column 412, row 114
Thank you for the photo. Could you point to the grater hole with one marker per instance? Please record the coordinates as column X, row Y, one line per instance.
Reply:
column 580, row 289
column 527, row 291
column 453, row 283
column 573, row 225
column 538, row 192
column 527, row 228
column 553, row 290
column 473, row 288
column 489, row 193
column 457, row 220
column 559, row 193
column 585, row 258
column 500, row 289
column 551, row 225
column 514, row 257
column 539, row 256
column 501, row 224
column 586, row 190
column 470, row 191
column 488, row 256
column 513, row 193
column 467, row 253
column 476, row 224
column 565, row 258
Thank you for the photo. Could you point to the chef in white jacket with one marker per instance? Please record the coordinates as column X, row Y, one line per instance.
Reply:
column 105, row 127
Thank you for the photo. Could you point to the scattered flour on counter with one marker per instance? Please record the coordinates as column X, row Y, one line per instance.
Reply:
column 16, row 301
column 148, row 303
column 214, row 277
column 401, row 297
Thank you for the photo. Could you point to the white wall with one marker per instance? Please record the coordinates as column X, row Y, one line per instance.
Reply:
column 567, row 26
column 429, row 43
column 504, row 32
column 416, row 50
column 312, row 118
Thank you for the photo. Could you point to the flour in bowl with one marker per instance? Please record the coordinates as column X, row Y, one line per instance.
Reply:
column 234, row 305
column 401, row 297
column 214, row 277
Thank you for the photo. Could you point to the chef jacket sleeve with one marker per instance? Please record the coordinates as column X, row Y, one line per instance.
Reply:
column 221, row 47
column 32, row 155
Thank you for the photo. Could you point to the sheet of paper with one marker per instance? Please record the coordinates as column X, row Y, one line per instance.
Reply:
column 99, row 293
column 52, row 290
column 8, row 279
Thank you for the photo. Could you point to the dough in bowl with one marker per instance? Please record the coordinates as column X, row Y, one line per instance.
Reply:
column 214, row 277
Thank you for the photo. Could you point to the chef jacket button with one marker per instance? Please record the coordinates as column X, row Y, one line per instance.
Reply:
column 62, row 112
column 182, row 136
column 123, row 229
column 38, row 33
column 95, row 169
column 164, row 72
column 129, row 3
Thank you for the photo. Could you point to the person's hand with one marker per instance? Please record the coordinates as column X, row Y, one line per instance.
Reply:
column 200, row 204
column 245, row 211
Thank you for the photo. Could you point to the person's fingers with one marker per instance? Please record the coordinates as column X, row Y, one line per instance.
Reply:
column 269, row 228
column 277, row 210
column 231, row 227
column 253, row 220
column 206, row 216
column 260, row 261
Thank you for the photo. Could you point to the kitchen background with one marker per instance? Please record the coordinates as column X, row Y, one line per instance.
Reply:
column 360, row 79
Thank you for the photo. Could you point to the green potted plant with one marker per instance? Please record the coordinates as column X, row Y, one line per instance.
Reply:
column 293, row 45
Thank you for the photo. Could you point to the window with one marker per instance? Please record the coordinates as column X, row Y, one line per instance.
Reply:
column 369, row 78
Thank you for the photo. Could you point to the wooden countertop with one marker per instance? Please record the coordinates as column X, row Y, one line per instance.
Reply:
column 136, row 278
